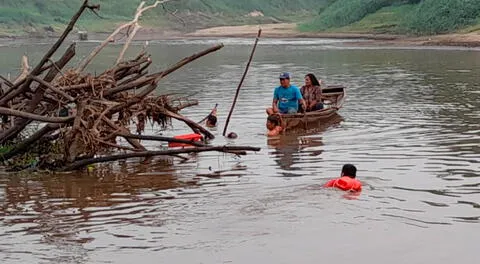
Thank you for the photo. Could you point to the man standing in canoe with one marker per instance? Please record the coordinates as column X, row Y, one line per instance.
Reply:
column 286, row 97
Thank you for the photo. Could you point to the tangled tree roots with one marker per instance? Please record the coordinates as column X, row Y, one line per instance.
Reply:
column 82, row 115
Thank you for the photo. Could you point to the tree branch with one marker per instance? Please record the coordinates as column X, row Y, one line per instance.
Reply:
column 51, row 87
column 11, row 112
column 81, row 163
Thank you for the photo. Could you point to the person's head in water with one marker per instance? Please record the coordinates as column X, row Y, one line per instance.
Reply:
column 310, row 79
column 285, row 80
column 349, row 170
column 211, row 121
column 232, row 135
column 273, row 121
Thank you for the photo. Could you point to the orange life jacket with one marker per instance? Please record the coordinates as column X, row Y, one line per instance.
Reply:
column 191, row 137
column 345, row 183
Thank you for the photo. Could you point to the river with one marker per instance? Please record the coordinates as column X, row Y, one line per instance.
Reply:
column 411, row 125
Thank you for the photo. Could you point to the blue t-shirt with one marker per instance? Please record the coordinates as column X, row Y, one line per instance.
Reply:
column 287, row 98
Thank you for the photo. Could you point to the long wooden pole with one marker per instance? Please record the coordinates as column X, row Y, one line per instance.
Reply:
column 241, row 82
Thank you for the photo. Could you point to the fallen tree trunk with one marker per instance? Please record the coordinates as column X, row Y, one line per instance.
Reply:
column 85, row 162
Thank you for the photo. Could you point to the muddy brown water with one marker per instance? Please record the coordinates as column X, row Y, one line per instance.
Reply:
column 410, row 124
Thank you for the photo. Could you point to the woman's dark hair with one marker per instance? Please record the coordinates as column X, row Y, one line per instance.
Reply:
column 313, row 79
column 275, row 119
column 349, row 170
column 212, row 119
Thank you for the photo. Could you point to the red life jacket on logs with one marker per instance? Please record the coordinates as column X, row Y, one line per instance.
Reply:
column 345, row 183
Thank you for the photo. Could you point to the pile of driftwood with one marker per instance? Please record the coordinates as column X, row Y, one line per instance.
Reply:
column 80, row 116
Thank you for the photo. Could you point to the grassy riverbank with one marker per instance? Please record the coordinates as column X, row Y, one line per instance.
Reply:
column 407, row 17
column 46, row 17
column 391, row 22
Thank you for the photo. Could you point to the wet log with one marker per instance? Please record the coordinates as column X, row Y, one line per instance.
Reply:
column 135, row 143
column 144, row 154
column 154, row 78
column 160, row 138
column 7, row 82
column 192, row 124
column 30, row 116
column 51, row 87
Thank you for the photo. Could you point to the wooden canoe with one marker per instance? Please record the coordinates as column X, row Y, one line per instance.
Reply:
column 334, row 93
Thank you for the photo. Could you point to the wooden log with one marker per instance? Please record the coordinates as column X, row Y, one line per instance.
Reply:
column 144, row 154
column 12, row 112
column 7, row 82
column 57, row 91
column 192, row 124
column 134, row 142
column 156, row 77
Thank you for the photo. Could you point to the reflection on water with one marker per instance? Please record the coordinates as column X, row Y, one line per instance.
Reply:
column 411, row 125
column 303, row 146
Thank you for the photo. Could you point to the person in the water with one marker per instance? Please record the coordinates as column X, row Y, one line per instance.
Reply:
column 347, row 180
column 274, row 125
column 232, row 135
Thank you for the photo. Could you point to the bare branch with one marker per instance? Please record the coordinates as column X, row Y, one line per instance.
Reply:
column 24, row 72
column 49, row 86
column 11, row 112
column 6, row 81
column 110, row 38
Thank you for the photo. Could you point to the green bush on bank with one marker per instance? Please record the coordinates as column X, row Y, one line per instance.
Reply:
column 442, row 16
column 344, row 12
column 46, row 11
column 419, row 17
column 26, row 15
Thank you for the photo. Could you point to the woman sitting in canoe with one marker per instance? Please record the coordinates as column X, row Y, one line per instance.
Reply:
column 312, row 93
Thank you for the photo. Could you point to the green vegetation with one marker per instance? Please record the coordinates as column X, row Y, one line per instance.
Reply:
column 387, row 20
column 344, row 12
column 32, row 16
column 419, row 17
column 440, row 16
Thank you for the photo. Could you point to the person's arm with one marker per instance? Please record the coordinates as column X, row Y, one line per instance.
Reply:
column 275, row 100
column 303, row 103
column 330, row 183
column 275, row 132
column 275, row 105
column 300, row 99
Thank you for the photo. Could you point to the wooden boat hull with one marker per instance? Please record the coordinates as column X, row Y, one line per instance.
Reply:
column 335, row 94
